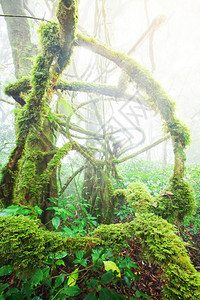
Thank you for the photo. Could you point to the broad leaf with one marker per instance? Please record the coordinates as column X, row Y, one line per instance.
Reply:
column 3, row 287
column 6, row 270
column 56, row 222
column 37, row 277
column 107, row 277
column 91, row 296
column 59, row 281
column 72, row 291
column 110, row 265
column 73, row 278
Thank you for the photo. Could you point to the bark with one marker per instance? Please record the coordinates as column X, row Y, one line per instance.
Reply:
column 19, row 36
column 22, row 50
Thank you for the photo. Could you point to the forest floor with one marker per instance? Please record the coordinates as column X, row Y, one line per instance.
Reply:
column 148, row 276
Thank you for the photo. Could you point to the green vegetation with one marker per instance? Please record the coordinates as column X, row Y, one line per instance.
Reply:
column 80, row 243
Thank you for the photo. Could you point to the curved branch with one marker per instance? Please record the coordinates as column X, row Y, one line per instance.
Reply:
column 6, row 101
column 158, row 98
column 70, row 179
column 143, row 150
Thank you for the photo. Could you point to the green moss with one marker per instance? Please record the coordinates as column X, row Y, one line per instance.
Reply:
column 114, row 236
column 179, row 132
column 107, row 197
column 50, row 38
column 26, row 245
column 21, row 85
column 54, row 163
column 138, row 196
column 176, row 202
column 119, row 196
column 163, row 246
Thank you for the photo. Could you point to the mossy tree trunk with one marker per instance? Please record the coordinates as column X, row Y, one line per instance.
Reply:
column 34, row 160
column 22, row 50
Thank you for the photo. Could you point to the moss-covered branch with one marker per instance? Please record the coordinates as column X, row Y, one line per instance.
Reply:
column 96, row 88
column 158, row 99
column 26, row 245
column 161, row 140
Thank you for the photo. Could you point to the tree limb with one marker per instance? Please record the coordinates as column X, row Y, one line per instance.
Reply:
column 71, row 178
column 143, row 150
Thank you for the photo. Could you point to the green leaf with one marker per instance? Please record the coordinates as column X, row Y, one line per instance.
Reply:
column 115, row 296
column 130, row 274
column 48, row 282
column 14, row 294
column 72, row 291
column 37, row 277
column 27, row 289
column 84, row 210
column 6, row 270
column 73, row 278
column 92, row 283
column 104, row 294
column 56, row 222
column 107, row 277
column 60, row 262
column 91, row 296
column 110, row 265
column 2, row 297
column 3, row 287
column 61, row 254
column 38, row 210
column 139, row 294
column 59, row 281
column 79, row 254
column 46, row 272
column 128, row 281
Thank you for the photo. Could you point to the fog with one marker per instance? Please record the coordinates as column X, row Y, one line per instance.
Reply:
column 170, row 51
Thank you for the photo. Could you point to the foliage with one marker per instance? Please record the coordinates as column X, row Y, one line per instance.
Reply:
column 72, row 217
column 104, row 275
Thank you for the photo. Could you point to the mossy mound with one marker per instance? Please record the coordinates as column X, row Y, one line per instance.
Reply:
column 176, row 201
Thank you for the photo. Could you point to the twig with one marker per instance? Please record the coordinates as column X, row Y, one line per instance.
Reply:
column 6, row 101
column 22, row 16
